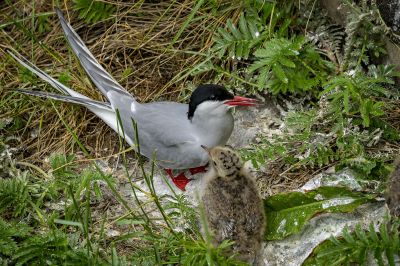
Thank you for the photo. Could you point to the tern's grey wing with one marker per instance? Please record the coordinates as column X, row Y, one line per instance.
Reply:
column 101, row 109
column 103, row 81
column 64, row 98
column 164, row 131
column 169, row 134
column 40, row 73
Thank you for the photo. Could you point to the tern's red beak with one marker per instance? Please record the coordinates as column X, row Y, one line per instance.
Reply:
column 241, row 101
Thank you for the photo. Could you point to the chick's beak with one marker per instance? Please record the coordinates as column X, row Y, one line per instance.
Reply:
column 206, row 149
column 241, row 101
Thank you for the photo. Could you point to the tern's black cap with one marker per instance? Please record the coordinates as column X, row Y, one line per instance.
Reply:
column 207, row 92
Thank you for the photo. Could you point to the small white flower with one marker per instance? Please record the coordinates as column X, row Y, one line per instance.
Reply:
column 352, row 73
column 257, row 34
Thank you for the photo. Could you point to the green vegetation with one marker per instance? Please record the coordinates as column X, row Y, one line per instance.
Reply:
column 72, row 231
column 59, row 206
column 296, row 208
column 93, row 11
column 355, row 247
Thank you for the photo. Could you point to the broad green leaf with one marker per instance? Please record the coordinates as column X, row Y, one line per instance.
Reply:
column 377, row 109
column 288, row 213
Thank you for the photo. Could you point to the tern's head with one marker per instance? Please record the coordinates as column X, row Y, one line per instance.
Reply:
column 214, row 99
column 224, row 160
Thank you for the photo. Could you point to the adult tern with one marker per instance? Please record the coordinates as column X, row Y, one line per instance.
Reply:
column 173, row 132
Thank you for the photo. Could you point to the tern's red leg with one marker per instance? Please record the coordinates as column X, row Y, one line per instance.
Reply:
column 196, row 170
column 180, row 180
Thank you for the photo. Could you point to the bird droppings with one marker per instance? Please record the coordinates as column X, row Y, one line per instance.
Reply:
column 282, row 225
column 319, row 197
column 343, row 178
column 336, row 202
column 113, row 233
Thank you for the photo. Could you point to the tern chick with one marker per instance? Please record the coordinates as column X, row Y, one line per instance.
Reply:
column 232, row 204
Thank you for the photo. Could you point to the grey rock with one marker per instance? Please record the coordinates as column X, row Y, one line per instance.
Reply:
column 250, row 122
column 390, row 12
column 293, row 250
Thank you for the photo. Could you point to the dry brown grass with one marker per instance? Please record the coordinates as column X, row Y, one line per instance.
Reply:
column 134, row 45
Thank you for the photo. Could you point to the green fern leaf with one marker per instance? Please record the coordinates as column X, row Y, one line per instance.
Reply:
column 348, row 237
column 361, row 234
column 237, row 42
column 14, row 195
column 278, row 71
column 355, row 248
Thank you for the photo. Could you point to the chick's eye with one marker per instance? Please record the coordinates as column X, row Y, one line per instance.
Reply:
column 215, row 164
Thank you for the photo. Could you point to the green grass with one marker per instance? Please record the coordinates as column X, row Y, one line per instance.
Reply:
column 67, row 214
column 133, row 43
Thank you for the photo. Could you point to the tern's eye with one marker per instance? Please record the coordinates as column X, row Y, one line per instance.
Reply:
column 212, row 97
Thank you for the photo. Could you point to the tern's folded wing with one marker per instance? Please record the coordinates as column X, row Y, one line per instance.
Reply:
column 100, row 77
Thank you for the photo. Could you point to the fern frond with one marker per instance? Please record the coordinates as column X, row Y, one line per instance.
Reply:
column 237, row 42
column 329, row 38
column 355, row 94
column 50, row 248
column 62, row 166
column 9, row 235
column 355, row 247
column 14, row 195
column 288, row 66
column 363, row 35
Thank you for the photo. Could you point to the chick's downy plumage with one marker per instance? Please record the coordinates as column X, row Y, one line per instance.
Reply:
column 232, row 204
